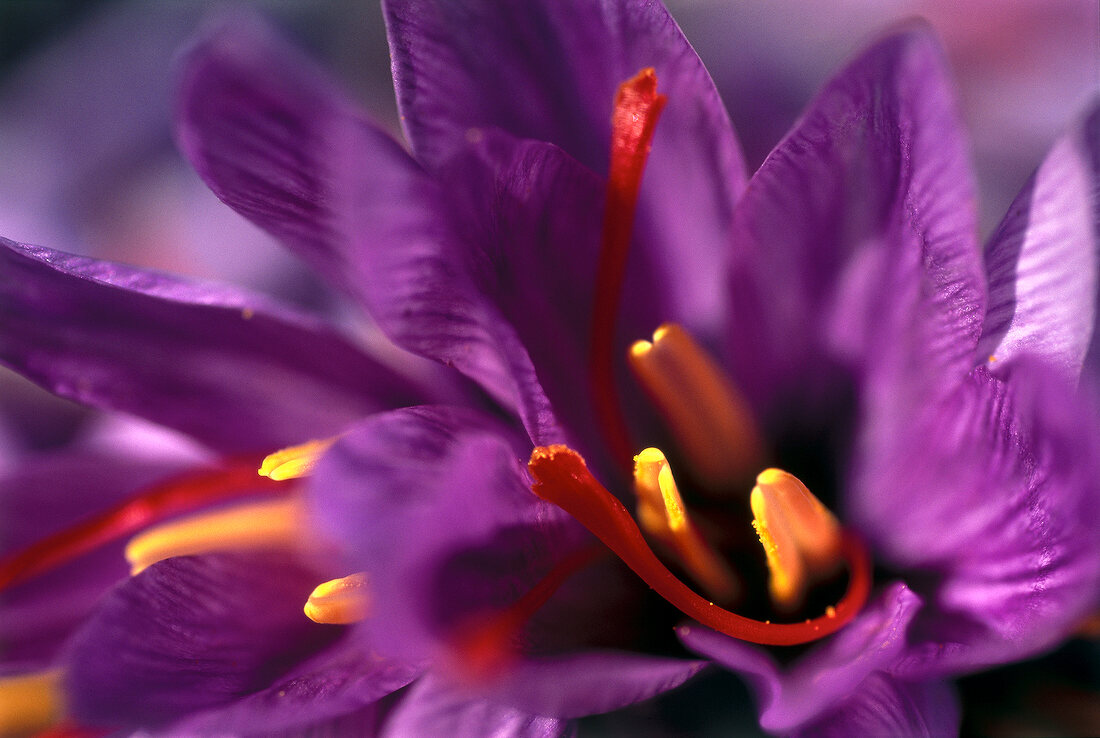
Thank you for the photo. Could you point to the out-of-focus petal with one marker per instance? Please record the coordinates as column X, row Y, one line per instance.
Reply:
column 339, row 681
column 1091, row 141
column 886, row 706
column 806, row 690
column 257, row 120
column 226, row 368
column 435, row 506
column 192, row 633
column 431, row 707
column 277, row 142
column 548, row 71
column 1043, row 261
column 991, row 494
column 41, row 497
column 588, row 683
column 855, row 242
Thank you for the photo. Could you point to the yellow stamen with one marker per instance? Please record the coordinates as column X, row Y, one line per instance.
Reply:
column 30, row 702
column 294, row 461
column 339, row 601
column 274, row 523
column 662, row 514
column 801, row 538
column 710, row 419
column 674, row 504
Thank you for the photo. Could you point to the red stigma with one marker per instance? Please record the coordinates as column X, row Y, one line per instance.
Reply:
column 563, row 479
column 633, row 121
column 177, row 495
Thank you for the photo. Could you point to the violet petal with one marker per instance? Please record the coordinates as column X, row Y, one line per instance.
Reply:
column 886, row 706
column 789, row 698
column 432, row 707
column 863, row 218
column 1043, row 262
column 277, row 142
column 998, row 513
column 226, row 368
column 189, row 634
column 257, row 120
column 588, row 683
column 435, row 506
column 337, row 682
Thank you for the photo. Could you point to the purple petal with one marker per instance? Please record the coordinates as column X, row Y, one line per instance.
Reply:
column 589, row 683
column 1091, row 141
column 226, row 368
column 191, row 634
column 339, row 681
column 435, row 506
column 431, row 707
column 42, row 497
column 863, row 220
column 548, row 71
column 257, row 121
column 791, row 698
column 278, row 143
column 887, row 706
column 997, row 510
column 1042, row 262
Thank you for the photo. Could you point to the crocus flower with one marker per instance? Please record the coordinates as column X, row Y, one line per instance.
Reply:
column 841, row 295
column 842, row 290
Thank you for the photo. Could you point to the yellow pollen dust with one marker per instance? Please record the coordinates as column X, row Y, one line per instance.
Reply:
column 801, row 538
column 709, row 418
column 339, row 601
column 662, row 515
column 270, row 524
column 294, row 461
column 30, row 702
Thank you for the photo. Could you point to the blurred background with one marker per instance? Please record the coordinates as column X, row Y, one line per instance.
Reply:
column 87, row 164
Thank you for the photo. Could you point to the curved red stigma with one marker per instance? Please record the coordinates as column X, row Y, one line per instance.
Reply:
column 633, row 121
column 563, row 479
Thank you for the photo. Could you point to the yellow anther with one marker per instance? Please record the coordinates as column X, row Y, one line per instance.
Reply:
column 30, row 702
column 801, row 538
column 294, row 461
column 662, row 514
column 339, row 601
column 710, row 419
column 270, row 524
column 674, row 504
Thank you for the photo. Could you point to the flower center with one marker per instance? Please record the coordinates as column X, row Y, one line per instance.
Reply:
column 563, row 478
column 713, row 428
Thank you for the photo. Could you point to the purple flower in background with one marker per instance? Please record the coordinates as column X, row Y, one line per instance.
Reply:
column 832, row 317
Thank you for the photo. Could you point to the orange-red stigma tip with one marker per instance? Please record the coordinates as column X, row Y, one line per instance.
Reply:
column 633, row 122
column 563, row 478
column 177, row 495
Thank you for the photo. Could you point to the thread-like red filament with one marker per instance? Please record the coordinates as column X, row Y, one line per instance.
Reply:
column 485, row 648
column 177, row 495
column 633, row 121
column 563, row 479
